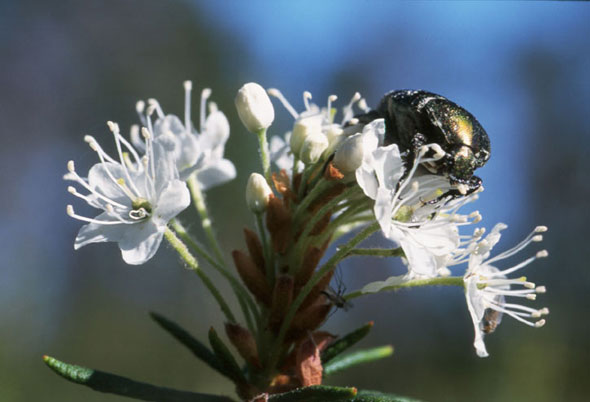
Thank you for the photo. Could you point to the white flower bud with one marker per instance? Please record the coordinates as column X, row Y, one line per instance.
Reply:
column 254, row 107
column 313, row 147
column 303, row 128
column 257, row 193
column 349, row 155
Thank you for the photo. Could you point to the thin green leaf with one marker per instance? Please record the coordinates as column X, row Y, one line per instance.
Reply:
column 352, row 359
column 375, row 396
column 224, row 356
column 345, row 342
column 114, row 384
column 316, row 393
column 194, row 345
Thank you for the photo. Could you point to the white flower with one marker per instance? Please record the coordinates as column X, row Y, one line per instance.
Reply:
column 312, row 122
column 195, row 152
column 427, row 232
column 487, row 287
column 254, row 107
column 139, row 197
column 258, row 193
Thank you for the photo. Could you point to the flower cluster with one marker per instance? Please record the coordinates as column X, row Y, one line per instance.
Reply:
column 333, row 178
column 145, row 187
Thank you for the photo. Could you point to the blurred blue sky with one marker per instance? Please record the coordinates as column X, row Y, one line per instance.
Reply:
column 68, row 66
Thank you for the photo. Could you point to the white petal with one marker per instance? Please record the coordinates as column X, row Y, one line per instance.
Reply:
column 388, row 166
column 168, row 123
column 378, row 286
column 99, row 180
column 165, row 166
column 222, row 171
column 95, row 233
column 140, row 242
column 366, row 179
column 476, row 310
column 173, row 200
column 383, row 208
column 216, row 133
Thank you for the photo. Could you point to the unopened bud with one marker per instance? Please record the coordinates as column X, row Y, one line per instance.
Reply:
column 254, row 107
column 349, row 156
column 303, row 128
column 313, row 147
column 257, row 193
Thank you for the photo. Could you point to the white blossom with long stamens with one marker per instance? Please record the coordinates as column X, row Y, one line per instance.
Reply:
column 426, row 231
column 488, row 287
column 195, row 152
column 139, row 197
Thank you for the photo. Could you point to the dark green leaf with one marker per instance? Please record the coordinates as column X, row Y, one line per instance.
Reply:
column 114, row 384
column 316, row 393
column 352, row 359
column 375, row 396
column 345, row 342
column 229, row 365
column 195, row 346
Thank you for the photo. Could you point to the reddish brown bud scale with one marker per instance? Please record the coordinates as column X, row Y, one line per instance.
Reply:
column 278, row 223
column 282, row 297
column 321, row 225
column 328, row 195
column 310, row 261
column 254, row 280
column 308, row 319
column 281, row 183
column 332, row 172
column 308, row 361
column 316, row 291
column 255, row 249
column 244, row 343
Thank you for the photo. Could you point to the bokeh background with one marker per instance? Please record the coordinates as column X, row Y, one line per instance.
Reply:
column 66, row 67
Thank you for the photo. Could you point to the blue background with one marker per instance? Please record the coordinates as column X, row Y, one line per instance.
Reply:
column 67, row 67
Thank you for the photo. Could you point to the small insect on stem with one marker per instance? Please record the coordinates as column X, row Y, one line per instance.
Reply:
column 335, row 296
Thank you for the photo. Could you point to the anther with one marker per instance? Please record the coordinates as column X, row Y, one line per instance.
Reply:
column 71, row 190
column 529, row 285
column 415, row 186
column 539, row 323
column 353, row 121
column 205, row 93
column 151, row 107
column 306, row 95
column 71, row 167
column 537, row 238
column 542, row 254
column 114, row 127
column 332, row 98
column 355, row 98
column 109, row 208
column 145, row 133
column 70, row 210
column 140, row 106
column 363, row 104
column 531, row 296
column 541, row 229
column 273, row 92
column 541, row 289
column 213, row 107
column 188, row 85
column 544, row 311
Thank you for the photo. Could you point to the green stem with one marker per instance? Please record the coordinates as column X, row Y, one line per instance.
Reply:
column 306, row 202
column 191, row 261
column 201, row 207
column 244, row 297
column 327, row 267
column 264, row 154
column 378, row 252
column 439, row 281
